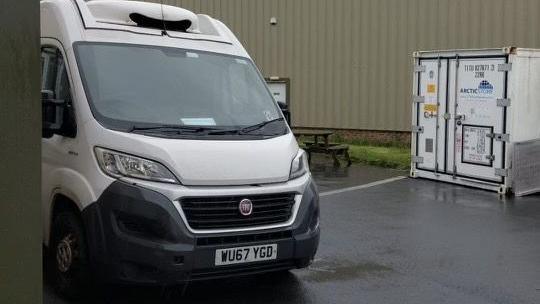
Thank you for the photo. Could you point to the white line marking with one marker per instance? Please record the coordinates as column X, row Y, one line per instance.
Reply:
column 364, row 186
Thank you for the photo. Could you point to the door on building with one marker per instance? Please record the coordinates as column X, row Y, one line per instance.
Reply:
column 279, row 89
column 461, row 117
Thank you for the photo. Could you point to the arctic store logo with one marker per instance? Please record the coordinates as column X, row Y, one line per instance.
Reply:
column 484, row 88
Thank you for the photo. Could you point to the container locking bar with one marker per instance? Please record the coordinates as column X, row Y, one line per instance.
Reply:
column 499, row 137
column 418, row 99
column 503, row 102
column 417, row 159
column 419, row 68
column 417, row 129
column 504, row 67
column 501, row 172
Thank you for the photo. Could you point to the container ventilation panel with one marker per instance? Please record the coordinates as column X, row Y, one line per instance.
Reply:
column 526, row 167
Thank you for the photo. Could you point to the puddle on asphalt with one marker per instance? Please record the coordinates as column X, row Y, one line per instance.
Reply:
column 326, row 271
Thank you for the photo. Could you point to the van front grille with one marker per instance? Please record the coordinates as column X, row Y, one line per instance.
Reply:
column 222, row 212
column 241, row 239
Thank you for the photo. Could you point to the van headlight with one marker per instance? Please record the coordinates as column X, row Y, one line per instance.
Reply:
column 118, row 164
column 299, row 165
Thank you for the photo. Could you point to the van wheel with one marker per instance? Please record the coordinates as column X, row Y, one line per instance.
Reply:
column 69, row 256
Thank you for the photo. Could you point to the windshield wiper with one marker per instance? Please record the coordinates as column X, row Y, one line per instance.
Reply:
column 181, row 129
column 259, row 125
column 170, row 128
column 223, row 131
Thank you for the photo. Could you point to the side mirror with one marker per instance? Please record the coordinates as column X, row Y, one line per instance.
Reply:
column 52, row 111
column 285, row 110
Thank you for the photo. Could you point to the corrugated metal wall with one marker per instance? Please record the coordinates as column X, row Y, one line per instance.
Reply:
column 349, row 61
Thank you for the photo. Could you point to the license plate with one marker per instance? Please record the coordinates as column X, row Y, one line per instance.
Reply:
column 246, row 254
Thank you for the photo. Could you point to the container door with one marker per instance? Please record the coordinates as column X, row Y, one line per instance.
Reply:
column 430, row 129
column 476, row 117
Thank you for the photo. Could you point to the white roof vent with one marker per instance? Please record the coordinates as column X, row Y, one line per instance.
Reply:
column 143, row 14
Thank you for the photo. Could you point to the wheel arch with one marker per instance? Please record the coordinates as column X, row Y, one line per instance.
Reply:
column 61, row 203
column 77, row 194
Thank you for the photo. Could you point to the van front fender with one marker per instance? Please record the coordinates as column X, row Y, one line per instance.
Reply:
column 68, row 183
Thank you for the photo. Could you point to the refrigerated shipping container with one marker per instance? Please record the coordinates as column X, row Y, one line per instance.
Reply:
column 476, row 118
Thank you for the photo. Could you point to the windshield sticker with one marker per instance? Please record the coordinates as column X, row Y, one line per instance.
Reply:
column 268, row 115
column 241, row 61
column 192, row 55
column 198, row 121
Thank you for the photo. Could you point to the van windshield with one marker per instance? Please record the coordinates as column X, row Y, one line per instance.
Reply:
column 176, row 92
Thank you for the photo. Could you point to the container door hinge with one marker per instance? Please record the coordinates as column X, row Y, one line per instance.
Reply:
column 417, row 129
column 499, row 137
column 417, row 159
column 505, row 67
column 419, row 68
column 503, row 102
column 418, row 99
column 501, row 172
column 490, row 157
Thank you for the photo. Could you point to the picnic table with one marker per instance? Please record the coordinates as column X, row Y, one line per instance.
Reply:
column 321, row 144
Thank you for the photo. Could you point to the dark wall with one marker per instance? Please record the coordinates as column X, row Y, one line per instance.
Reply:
column 20, row 160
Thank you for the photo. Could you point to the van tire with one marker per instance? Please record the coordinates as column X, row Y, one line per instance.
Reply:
column 69, row 256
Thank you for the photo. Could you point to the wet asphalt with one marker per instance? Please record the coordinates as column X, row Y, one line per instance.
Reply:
column 407, row 241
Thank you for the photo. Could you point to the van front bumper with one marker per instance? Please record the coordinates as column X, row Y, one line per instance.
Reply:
column 136, row 235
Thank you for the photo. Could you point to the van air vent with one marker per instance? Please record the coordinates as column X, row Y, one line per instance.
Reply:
column 144, row 21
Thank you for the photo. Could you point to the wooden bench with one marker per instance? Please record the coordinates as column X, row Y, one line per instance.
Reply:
column 341, row 149
column 324, row 146
column 334, row 150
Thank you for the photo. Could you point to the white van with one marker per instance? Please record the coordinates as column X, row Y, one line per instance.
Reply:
column 164, row 156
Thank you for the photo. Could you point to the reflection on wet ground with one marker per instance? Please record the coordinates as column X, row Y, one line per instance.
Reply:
column 330, row 178
column 408, row 241
column 326, row 271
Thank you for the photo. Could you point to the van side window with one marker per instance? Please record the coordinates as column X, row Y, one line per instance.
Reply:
column 55, row 81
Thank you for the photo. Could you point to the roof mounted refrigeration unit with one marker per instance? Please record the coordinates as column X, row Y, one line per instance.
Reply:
column 475, row 118
column 152, row 19
column 142, row 14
